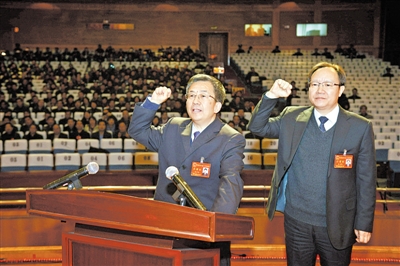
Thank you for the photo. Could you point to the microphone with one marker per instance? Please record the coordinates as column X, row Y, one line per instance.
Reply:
column 74, row 177
column 172, row 173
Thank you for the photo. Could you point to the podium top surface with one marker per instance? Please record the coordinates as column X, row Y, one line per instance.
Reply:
column 138, row 215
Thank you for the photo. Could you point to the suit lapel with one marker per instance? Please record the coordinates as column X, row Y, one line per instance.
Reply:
column 186, row 130
column 341, row 130
column 208, row 134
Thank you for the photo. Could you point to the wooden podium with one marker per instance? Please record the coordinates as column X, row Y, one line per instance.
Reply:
column 114, row 229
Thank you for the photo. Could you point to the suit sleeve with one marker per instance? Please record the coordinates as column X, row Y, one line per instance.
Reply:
column 140, row 128
column 260, row 123
column 366, row 182
column 230, row 190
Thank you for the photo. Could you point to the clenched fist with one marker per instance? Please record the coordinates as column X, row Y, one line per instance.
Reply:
column 160, row 95
column 280, row 88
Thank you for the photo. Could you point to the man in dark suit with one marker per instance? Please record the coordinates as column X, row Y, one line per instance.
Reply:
column 32, row 134
column 57, row 134
column 79, row 133
column 102, row 133
column 324, row 178
column 216, row 146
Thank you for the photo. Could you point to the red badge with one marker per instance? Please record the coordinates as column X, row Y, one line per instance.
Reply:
column 343, row 161
column 201, row 169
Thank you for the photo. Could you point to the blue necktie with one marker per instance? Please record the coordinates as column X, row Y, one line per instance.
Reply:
column 323, row 120
column 196, row 134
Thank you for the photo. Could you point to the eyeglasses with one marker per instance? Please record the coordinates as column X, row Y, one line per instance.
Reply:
column 325, row 85
column 202, row 96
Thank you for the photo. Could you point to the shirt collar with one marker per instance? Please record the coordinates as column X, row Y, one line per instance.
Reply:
column 332, row 117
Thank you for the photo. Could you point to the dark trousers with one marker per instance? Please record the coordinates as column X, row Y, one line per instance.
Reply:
column 305, row 241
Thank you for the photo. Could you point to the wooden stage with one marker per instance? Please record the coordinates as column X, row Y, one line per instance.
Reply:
column 34, row 240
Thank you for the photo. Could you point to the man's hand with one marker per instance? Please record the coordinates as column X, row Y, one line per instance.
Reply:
column 362, row 236
column 279, row 89
column 160, row 95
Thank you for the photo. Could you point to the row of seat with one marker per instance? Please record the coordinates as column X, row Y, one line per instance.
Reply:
column 265, row 145
column 45, row 146
column 111, row 161
column 148, row 160
column 74, row 161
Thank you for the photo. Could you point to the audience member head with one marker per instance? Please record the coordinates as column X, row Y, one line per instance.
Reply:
column 102, row 125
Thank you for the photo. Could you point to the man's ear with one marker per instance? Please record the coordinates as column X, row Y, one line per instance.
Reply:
column 217, row 107
column 341, row 90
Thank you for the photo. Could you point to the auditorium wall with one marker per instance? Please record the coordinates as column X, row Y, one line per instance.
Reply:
column 159, row 24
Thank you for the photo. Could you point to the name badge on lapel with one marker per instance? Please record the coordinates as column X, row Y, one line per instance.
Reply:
column 201, row 169
column 344, row 161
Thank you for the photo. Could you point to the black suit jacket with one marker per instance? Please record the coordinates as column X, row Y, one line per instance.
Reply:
column 61, row 136
column 350, row 193
column 96, row 135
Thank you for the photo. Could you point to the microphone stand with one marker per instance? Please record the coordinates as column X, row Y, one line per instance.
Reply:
column 77, row 184
column 178, row 196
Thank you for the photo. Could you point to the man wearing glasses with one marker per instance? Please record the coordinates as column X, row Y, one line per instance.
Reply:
column 193, row 144
column 324, row 178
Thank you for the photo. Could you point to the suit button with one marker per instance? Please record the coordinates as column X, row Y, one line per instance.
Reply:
column 183, row 167
column 284, row 168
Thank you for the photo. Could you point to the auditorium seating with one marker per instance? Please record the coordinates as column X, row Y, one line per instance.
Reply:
column 120, row 161
column 382, row 147
column 252, row 160
column 40, row 162
column 67, row 161
column 13, row 162
column 252, row 145
column 111, row 145
column 40, row 146
column 269, row 160
column 84, row 145
column 394, row 163
column 16, row 146
column 64, row 145
column 146, row 160
column 381, row 97
column 98, row 157
column 131, row 145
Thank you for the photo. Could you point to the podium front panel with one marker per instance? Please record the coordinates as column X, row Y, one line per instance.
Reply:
column 138, row 215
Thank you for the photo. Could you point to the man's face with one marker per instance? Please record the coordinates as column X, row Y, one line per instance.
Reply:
column 56, row 129
column 50, row 121
column 28, row 121
column 79, row 125
column 202, row 110
column 363, row 110
column 102, row 126
column 325, row 99
column 122, row 127
column 8, row 128
column 32, row 129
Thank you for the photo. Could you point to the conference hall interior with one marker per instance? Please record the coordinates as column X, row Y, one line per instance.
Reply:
column 66, row 64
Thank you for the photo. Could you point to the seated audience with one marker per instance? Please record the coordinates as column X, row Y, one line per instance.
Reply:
column 32, row 134
column 276, row 50
column 9, row 133
column 298, row 53
column 102, row 133
column 122, row 132
column 354, row 96
column 57, row 134
column 364, row 112
column 79, row 133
